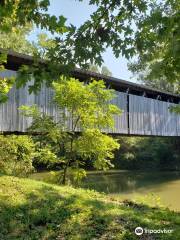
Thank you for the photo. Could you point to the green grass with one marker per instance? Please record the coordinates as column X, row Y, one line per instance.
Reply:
column 32, row 209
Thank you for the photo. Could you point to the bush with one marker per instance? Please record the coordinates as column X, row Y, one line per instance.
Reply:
column 16, row 155
column 156, row 153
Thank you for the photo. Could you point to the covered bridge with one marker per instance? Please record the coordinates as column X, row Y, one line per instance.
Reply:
column 145, row 110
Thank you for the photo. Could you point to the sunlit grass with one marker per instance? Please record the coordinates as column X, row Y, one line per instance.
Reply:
column 32, row 209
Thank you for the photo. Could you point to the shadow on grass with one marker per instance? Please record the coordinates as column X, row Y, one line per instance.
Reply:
column 44, row 213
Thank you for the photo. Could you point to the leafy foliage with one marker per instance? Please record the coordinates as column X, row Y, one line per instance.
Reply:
column 16, row 40
column 5, row 83
column 146, row 29
column 158, row 41
column 175, row 109
column 19, row 13
column 148, row 153
column 87, row 104
column 16, row 155
column 94, row 144
column 87, row 109
column 104, row 70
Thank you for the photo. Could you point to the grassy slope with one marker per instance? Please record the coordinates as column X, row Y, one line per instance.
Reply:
column 31, row 209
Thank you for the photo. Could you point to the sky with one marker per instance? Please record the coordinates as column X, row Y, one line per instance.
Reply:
column 76, row 13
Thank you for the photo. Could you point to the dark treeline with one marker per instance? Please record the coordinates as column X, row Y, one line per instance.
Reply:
column 139, row 153
column 19, row 154
column 156, row 153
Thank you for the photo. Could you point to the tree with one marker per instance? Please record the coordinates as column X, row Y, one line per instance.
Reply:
column 94, row 68
column 161, row 83
column 16, row 155
column 158, row 60
column 146, row 29
column 16, row 40
column 104, row 70
column 5, row 83
column 14, row 16
column 148, row 153
column 158, row 51
column 19, row 13
column 87, row 110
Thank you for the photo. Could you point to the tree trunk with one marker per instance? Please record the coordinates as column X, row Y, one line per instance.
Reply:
column 64, row 175
column 68, row 162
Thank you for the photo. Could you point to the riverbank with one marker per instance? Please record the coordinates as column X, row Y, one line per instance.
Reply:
column 158, row 186
column 32, row 209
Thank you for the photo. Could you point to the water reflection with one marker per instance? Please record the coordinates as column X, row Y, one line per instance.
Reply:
column 127, row 181
column 130, row 184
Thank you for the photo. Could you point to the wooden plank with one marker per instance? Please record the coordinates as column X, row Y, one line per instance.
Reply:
column 152, row 117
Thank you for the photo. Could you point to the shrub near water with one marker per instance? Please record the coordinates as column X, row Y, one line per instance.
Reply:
column 16, row 154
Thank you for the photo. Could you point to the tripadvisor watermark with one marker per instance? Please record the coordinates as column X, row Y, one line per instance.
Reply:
column 139, row 231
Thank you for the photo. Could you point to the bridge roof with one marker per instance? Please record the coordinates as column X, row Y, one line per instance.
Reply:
column 15, row 60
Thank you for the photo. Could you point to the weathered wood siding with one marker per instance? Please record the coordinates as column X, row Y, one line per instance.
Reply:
column 12, row 120
column 152, row 117
column 146, row 116
column 120, row 121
